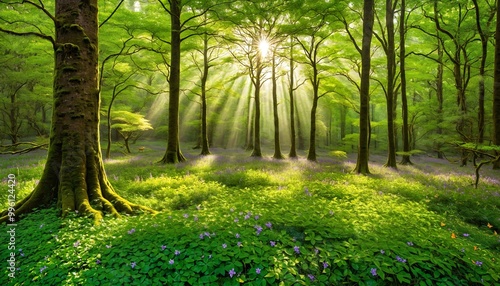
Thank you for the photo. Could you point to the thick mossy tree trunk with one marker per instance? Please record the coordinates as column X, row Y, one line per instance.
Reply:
column 74, row 175
column 173, row 153
column 496, row 90
column 364, row 111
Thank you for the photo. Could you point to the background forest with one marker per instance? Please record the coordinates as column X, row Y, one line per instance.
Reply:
column 308, row 53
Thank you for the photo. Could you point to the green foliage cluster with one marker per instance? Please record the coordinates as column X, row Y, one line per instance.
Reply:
column 264, row 222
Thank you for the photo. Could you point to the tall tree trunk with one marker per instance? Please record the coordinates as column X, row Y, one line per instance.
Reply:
column 404, row 100
column 257, row 84
column 439, row 96
column 277, row 147
column 391, row 65
column 482, row 72
column 291, row 89
column 250, row 122
column 204, row 133
column 173, row 153
column 311, row 155
column 74, row 175
column 496, row 90
column 364, row 98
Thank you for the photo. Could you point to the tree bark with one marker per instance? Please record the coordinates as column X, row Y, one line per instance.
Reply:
column 404, row 99
column 291, row 89
column 257, row 152
column 204, row 133
column 391, row 65
column 276, row 119
column 74, row 175
column 173, row 153
column 364, row 119
column 496, row 89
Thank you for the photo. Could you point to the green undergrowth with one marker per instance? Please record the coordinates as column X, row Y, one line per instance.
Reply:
column 230, row 220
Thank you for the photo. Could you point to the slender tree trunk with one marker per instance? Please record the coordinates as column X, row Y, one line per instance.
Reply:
column 257, row 84
column 496, row 90
column 250, row 125
column 173, row 153
column 300, row 131
column 293, row 140
column 277, row 147
column 391, row 65
column 364, row 119
column 74, row 175
column 482, row 72
column 311, row 155
column 404, row 100
column 440, row 98
column 204, row 133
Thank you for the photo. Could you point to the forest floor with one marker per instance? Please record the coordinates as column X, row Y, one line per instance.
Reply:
column 228, row 218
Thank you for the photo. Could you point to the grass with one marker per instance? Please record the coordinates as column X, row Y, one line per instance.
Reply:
column 229, row 219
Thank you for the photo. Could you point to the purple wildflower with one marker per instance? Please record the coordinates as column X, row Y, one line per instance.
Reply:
column 316, row 251
column 238, row 243
column 231, row 273
column 382, row 251
column 373, row 271
column 273, row 243
column 237, row 235
column 479, row 263
column 177, row 252
column 98, row 261
column 171, row 261
column 296, row 249
column 42, row 269
column 201, row 235
column 236, row 220
column 224, row 245
column 131, row 231
column 269, row 224
column 163, row 247
column 185, row 215
column 325, row 265
column 259, row 229
column 400, row 259
column 76, row 244
column 257, row 270
column 466, row 234
column 247, row 216
column 257, row 217
column 133, row 264
column 409, row 243
column 311, row 277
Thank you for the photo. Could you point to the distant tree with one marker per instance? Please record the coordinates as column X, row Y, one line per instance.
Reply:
column 74, row 175
column 364, row 110
column 129, row 125
column 311, row 38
